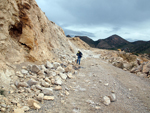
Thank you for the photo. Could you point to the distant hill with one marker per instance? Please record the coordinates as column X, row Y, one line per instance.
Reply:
column 89, row 41
column 116, row 42
column 111, row 42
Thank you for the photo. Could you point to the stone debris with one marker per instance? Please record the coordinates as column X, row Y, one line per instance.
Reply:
column 128, row 62
column 63, row 76
column 112, row 97
column 34, row 104
column 40, row 96
column 18, row 110
column 70, row 75
column 35, row 84
column 106, row 84
column 48, row 98
column 47, row 91
column 106, row 100
column 32, row 82
column 58, row 88
column 58, row 80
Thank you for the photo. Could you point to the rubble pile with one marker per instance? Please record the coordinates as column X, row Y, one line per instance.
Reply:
column 128, row 62
column 34, row 84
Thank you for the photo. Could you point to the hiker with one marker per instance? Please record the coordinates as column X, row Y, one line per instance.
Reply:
column 79, row 54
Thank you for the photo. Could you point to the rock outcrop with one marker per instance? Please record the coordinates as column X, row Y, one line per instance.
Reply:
column 26, row 34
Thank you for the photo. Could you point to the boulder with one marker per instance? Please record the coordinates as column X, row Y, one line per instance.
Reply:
column 146, row 67
column 25, row 108
column 19, row 74
column 63, row 76
column 112, row 97
column 18, row 110
column 40, row 96
column 136, row 69
column 38, row 87
column 45, row 84
column 33, row 104
column 140, row 74
column 47, row 91
column 60, row 69
column 21, row 84
column 35, row 69
column 127, row 66
column 47, row 80
column 55, row 65
column 32, row 82
column 118, row 64
column 69, row 75
column 49, row 65
column 58, row 88
column 69, row 68
column 23, row 71
column 58, row 80
column 51, row 73
column 106, row 100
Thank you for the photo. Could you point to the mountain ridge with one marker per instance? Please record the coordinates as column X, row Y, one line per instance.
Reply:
column 115, row 42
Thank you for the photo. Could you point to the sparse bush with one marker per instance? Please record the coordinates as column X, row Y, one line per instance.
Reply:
column 2, row 92
column 128, row 57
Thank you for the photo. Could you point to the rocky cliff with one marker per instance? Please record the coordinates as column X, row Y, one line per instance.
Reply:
column 26, row 34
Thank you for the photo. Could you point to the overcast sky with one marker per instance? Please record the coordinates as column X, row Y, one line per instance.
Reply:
column 99, row 19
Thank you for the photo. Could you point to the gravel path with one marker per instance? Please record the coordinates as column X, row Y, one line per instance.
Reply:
column 94, row 80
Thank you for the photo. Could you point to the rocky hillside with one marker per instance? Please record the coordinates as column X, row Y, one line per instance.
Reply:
column 26, row 34
column 37, row 60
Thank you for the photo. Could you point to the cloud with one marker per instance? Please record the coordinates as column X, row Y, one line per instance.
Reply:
column 100, row 18
column 78, row 33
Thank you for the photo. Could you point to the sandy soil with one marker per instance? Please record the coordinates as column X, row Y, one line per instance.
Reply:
column 94, row 80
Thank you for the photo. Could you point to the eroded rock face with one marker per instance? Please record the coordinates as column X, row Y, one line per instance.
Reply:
column 27, row 34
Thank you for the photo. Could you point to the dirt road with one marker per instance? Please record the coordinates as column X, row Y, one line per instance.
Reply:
column 94, row 80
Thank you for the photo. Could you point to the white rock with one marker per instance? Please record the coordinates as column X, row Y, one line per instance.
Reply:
column 19, row 74
column 51, row 73
column 47, row 80
column 60, row 69
column 70, row 75
column 18, row 110
column 106, row 84
column 40, row 97
column 56, row 64
column 112, row 97
column 67, row 93
column 23, row 71
column 58, row 88
column 47, row 91
column 49, row 65
column 58, row 80
column 63, row 76
column 45, row 84
column 106, row 100
column 38, row 87
column 33, row 104
column 25, row 108
column 43, row 67
column 48, row 98
column 3, row 109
